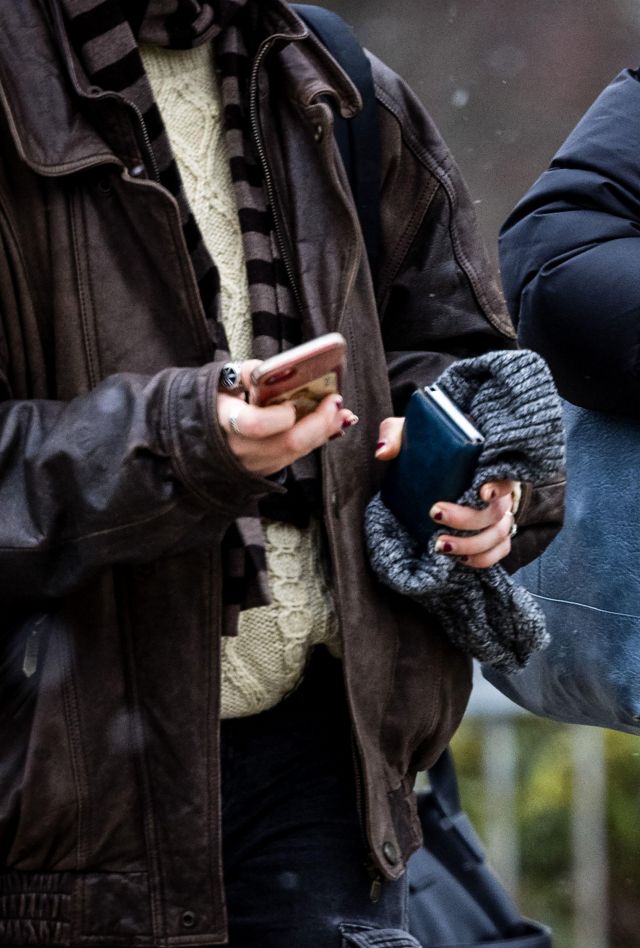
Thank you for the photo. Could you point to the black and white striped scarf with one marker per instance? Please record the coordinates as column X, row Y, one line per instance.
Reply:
column 105, row 35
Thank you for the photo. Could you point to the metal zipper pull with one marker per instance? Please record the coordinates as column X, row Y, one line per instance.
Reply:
column 376, row 879
column 32, row 650
column 376, row 889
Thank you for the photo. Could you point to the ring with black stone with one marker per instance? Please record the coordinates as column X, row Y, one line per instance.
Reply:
column 230, row 377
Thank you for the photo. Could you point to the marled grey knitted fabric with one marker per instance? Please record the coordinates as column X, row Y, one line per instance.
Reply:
column 511, row 398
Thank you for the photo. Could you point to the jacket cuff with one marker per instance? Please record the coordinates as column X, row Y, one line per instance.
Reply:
column 199, row 448
column 539, row 519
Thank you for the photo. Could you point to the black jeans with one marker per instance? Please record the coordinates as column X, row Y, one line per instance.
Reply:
column 294, row 852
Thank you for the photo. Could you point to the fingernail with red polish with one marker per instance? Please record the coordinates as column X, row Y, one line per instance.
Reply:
column 338, row 434
column 444, row 547
column 339, row 402
column 380, row 444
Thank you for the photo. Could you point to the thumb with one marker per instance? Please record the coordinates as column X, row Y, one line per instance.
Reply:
column 389, row 438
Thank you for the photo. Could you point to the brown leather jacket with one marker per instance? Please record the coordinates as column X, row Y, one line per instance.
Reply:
column 116, row 483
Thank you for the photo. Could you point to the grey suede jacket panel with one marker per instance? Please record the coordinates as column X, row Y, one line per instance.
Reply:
column 116, row 482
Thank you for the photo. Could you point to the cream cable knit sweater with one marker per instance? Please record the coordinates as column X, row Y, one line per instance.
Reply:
column 266, row 659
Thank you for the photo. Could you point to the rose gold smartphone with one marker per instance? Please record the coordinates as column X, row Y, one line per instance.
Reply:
column 303, row 375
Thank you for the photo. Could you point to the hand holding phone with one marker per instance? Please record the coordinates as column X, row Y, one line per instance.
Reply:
column 437, row 461
column 303, row 375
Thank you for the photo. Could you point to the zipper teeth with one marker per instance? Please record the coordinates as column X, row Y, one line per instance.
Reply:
column 361, row 807
column 147, row 140
column 357, row 766
column 266, row 171
column 155, row 172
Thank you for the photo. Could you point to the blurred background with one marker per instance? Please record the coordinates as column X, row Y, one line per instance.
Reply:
column 505, row 81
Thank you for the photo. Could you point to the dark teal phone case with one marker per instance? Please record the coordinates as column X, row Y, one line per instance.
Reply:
column 436, row 462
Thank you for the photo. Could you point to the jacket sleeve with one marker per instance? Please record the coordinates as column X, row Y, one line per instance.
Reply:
column 439, row 297
column 136, row 469
column 569, row 257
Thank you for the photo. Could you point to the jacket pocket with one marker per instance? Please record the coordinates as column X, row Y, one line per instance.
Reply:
column 40, row 798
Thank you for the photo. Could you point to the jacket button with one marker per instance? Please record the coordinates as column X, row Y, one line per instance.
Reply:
column 188, row 919
column 318, row 132
column 390, row 853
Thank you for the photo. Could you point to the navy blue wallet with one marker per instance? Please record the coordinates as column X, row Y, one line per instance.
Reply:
column 437, row 461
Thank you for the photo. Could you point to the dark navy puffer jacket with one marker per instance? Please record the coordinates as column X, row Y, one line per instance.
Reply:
column 570, row 256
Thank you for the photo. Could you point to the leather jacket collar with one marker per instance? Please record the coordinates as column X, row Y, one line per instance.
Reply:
column 37, row 97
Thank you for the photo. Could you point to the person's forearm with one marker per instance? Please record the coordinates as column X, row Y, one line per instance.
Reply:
column 134, row 469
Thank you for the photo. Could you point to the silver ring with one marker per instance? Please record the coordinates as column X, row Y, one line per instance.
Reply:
column 233, row 423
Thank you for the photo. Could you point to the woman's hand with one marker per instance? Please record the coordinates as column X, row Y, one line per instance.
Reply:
column 494, row 524
column 266, row 440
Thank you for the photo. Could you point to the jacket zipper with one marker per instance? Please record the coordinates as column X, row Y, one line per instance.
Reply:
column 371, row 867
column 370, row 864
column 155, row 173
column 146, row 140
column 58, row 29
column 266, row 170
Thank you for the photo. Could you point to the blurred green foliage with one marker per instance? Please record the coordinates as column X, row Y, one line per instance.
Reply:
column 544, row 801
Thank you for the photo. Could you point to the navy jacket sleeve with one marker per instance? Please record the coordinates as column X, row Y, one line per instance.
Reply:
column 570, row 257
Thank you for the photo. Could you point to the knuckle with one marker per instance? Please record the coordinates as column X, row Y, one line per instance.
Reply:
column 505, row 503
column 482, row 560
column 295, row 442
column 290, row 441
column 250, row 424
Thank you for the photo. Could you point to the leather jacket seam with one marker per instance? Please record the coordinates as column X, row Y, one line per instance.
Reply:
column 74, row 736
column 198, row 320
column 85, row 294
column 80, row 538
column 439, row 171
column 405, row 243
column 174, row 430
column 154, row 876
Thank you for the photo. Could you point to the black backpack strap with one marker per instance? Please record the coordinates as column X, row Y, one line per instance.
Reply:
column 452, row 839
column 358, row 138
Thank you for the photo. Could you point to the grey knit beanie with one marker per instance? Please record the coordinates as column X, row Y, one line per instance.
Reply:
column 511, row 398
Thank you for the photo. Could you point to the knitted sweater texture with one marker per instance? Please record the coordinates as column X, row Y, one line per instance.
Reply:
column 266, row 659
